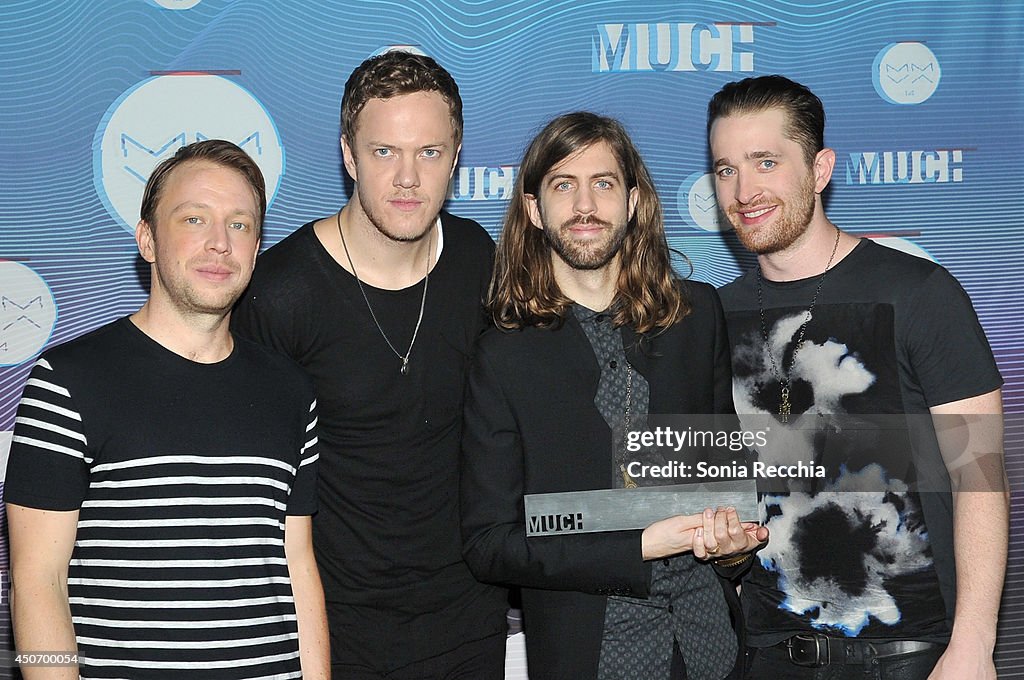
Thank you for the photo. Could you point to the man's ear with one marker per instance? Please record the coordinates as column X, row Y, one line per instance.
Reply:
column 349, row 158
column 533, row 210
column 824, row 163
column 634, row 198
column 144, row 240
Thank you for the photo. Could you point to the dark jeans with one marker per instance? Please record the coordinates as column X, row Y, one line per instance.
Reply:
column 478, row 660
column 772, row 663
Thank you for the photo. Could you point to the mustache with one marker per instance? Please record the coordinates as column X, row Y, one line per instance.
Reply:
column 585, row 220
column 748, row 207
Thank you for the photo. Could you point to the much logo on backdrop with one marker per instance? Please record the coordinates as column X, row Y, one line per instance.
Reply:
column 673, row 47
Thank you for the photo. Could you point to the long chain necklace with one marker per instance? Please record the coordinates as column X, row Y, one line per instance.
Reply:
column 627, row 481
column 785, row 408
column 423, row 300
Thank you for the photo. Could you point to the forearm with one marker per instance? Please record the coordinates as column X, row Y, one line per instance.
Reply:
column 492, row 485
column 970, row 436
column 308, row 595
column 42, row 623
column 980, row 535
column 596, row 563
column 314, row 642
column 41, row 542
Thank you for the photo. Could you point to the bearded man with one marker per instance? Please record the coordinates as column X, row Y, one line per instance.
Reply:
column 593, row 330
column 874, row 583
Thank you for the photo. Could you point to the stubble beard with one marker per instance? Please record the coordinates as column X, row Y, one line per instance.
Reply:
column 378, row 222
column 186, row 298
column 794, row 219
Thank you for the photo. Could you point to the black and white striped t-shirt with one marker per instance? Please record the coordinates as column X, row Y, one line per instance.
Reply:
column 183, row 474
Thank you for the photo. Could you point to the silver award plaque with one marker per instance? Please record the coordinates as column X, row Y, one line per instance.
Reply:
column 580, row 512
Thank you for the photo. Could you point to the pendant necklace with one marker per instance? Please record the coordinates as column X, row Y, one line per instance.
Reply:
column 627, row 481
column 423, row 300
column 785, row 408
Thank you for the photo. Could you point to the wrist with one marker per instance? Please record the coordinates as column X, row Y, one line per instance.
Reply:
column 733, row 560
column 980, row 638
column 646, row 549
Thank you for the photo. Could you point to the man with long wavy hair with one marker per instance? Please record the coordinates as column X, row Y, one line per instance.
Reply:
column 595, row 329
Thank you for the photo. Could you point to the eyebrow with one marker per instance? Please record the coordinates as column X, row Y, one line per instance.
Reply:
column 196, row 205
column 752, row 156
column 385, row 145
column 597, row 175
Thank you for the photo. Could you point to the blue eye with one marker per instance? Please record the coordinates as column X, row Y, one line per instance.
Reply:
column 382, row 153
column 768, row 164
column 241, row 226
column 725, row 172
column 431, row 153
column 603, row 184
column 192, row 220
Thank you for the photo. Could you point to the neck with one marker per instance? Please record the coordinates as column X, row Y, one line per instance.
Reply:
column 593, row 288
column 203, row 338
column 378, row 260
column 809, row 254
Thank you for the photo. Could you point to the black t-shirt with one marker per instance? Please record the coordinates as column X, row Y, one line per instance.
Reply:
column 387, row 534
column 182, row 475
column 890, row 334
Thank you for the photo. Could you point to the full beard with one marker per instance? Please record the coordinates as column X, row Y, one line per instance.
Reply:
column 586, row 255
column 794, row 218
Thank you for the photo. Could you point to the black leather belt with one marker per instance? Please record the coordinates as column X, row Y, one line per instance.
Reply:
column 814, row 650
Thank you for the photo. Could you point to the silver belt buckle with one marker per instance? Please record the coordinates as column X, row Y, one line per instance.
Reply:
column 820, row 643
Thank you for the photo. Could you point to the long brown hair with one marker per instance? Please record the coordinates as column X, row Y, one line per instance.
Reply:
column 523, row 290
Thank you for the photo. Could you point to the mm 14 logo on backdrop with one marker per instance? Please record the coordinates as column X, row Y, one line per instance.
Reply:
column 697, row 205
column 906, row 73
column 27, row 313
column 155, row 118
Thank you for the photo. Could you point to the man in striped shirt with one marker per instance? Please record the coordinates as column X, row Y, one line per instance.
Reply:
column 162, row 473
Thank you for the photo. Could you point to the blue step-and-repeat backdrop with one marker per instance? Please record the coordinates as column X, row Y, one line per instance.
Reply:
column 924, row 101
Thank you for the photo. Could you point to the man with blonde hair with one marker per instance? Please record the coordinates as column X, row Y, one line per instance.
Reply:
column 163, row 470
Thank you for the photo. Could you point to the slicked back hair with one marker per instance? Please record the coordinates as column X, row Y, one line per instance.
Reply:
column 805, row 115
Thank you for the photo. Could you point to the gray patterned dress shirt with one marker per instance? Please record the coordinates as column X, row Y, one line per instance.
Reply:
column 686, row 604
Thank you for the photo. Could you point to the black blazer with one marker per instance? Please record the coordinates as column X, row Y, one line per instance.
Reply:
column 531, row 426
